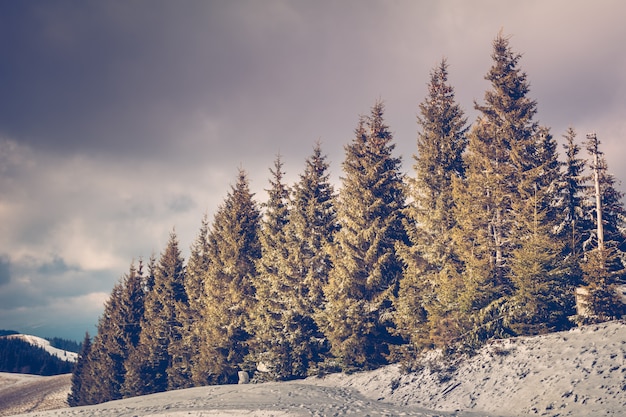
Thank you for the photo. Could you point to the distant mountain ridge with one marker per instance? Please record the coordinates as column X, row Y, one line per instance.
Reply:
column 20, row 353
column 45, row 345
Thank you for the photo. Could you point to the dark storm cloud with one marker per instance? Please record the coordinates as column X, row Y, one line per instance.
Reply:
column 127, row 78
column 93, row 75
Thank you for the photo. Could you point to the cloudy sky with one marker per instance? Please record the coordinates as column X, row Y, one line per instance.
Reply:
column 120, row 121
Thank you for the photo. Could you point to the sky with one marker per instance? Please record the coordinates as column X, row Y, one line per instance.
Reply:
column 121, row 122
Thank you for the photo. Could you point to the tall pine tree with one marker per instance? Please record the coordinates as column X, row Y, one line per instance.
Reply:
column 270, row 343
column 310, row 231
column 192, row 316
column 603, row 268
column 498, row 155
column 543, row 297
column 81, row 381
column 366, row 270
column 156, row 363
column 576, row 226
column 118, row 336
column 229, row 287
column 426, row 303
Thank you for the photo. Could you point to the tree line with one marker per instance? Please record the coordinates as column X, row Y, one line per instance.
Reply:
column 489, row 237
column 64, row 344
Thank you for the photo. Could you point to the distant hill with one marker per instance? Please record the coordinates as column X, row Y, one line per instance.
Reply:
column 47, row 346
column 33, row 355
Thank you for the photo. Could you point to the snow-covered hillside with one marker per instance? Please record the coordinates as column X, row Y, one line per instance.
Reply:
column 44, row 344
column 581, row 372
column 22, row 393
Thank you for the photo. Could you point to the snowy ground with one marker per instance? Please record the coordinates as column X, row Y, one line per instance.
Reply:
column 577, row 373
column 21, row 393
column 581, row 372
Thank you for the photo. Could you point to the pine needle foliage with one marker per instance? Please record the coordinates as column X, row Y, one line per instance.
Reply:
column 310, row 231
column 366, row 271
column 491, row 237
column 191, row 313
column 156, row 361
column 229, row 287
column 576, row 226
column 81, row 383
column 500, row 152
column 543, row 297
column 426, row 303
column 270, row 342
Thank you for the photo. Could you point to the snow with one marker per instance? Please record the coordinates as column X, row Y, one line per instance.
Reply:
column 20, row 393
column 581, row 372
column 44, row 344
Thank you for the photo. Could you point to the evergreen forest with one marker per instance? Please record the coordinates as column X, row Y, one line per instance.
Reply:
column 499, row 230
column 19, row 356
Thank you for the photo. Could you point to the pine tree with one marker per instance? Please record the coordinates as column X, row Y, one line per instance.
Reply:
column 139, row 370
column 576, row 227
column 171, row 279
column 275, row 322
column 117, row 337
column 310, row 231
column 269, row 344
column 543, row 298
column 499, row 153
column 157, row 358
column 366, row 270
column 613, row 212
column 429, row 288
column 79, row 394
column 234, row 252
column 604, row 268
column 192, row 317
column 106, row 360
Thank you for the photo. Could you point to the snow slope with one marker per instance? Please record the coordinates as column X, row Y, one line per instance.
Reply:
column 581, row 372
column 577, row 373
column 44, row 344
column 21, row 393
column 260, row 400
